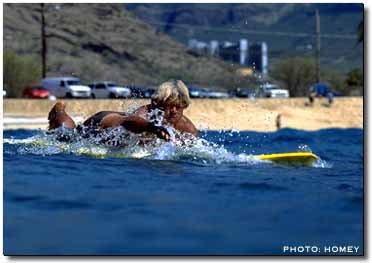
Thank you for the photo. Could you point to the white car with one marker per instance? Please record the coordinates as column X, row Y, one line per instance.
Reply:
column 273, row 91
column 108, row 89
column 68, row 87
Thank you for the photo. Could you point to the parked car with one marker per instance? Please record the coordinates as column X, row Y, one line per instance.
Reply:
column 36, row 92
column 68, row 87
column 137, row 92
column 108, row 89
column 244, row 93
column 5, row 87
column 148, row 92
column 196, row 92
column 212, row 94
column 272, row 91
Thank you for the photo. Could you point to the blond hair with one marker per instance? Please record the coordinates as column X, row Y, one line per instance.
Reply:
column 173, row 91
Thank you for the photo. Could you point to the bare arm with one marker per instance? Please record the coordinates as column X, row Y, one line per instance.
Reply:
column 134, row 124
column 183, row 125
column 96, row 119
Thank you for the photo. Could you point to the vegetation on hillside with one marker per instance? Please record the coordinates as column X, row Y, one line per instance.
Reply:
column 297, row 74
column 289, row 27
column 361, row 31
column 106, row 42
column 355, row 78
column 19, row 71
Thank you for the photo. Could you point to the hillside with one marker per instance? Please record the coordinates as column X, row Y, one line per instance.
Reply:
column 234, row 21
column 105, row 41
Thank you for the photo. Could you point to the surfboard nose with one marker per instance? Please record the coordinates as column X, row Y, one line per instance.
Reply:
column 294, row 158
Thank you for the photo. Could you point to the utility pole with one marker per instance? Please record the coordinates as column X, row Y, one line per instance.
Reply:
column 317, row 51
column 43, row 42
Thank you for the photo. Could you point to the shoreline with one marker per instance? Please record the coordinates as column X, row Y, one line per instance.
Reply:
column 211, row 114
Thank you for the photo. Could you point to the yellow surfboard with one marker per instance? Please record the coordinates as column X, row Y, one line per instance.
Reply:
column 302, row 158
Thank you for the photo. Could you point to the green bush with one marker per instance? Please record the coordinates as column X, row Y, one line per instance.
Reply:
column 296, row 74
column 335, row 80
column 19, row 71
column 355, row 78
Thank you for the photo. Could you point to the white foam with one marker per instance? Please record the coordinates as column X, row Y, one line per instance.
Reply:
column 118, row 142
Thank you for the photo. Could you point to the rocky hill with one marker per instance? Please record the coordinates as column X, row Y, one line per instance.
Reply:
column 106, row 42
column 265, row 22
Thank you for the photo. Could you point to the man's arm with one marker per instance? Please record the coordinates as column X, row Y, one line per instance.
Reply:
column 96, row 119
column 134, row 124
column 183, row 125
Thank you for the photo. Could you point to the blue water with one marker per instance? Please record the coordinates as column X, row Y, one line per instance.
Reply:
column 59, row 203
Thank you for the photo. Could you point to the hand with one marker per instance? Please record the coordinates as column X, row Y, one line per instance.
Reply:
column 137, row 125
column 162, row 133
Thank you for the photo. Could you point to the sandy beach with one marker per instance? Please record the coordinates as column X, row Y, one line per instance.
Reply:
column 239, row 114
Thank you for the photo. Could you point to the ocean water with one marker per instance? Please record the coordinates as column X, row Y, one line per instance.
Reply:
column 207, row 197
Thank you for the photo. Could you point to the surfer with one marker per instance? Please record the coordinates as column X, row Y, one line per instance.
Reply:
column 166, row 108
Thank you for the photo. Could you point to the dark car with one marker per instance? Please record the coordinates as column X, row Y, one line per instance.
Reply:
column 244, row 93
column 137, row 92
column 35, row 92
column 148, row 92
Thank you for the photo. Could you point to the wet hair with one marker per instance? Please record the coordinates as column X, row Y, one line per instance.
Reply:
column 173, row 92
column 59, row 106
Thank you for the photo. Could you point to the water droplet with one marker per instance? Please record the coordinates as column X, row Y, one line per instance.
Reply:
column 304, row 148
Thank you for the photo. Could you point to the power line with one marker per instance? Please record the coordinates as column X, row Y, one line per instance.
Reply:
column 317, row 49
column 255, row 32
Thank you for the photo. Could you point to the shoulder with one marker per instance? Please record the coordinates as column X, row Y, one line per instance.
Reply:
column 186, row 125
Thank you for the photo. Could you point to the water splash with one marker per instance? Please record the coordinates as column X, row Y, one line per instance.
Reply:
column 322, row 164
column 119, row 143
column 156, row 116
column 304, row 148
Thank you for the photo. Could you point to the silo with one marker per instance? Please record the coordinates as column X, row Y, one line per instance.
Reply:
column 243, row 46
column 214, row 47
column 265, row 59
